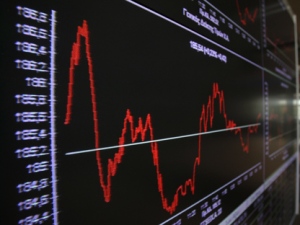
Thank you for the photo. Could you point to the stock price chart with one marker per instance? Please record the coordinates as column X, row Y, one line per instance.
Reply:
column 148, row 112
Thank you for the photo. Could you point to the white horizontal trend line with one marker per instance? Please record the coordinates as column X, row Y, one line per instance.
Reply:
column 160, row 140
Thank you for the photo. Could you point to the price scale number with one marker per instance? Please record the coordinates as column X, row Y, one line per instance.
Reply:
column 32, row 65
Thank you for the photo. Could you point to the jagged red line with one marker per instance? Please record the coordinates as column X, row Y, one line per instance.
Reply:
column 246, row 14
column 145, row 127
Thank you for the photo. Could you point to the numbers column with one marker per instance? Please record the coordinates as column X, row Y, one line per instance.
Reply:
column 32, row 100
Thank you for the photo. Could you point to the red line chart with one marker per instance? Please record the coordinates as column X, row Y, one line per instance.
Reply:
column 144, row 129
column 245, row 14
column 279, row 44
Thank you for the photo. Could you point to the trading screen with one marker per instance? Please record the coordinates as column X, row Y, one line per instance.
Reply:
column 148, row 112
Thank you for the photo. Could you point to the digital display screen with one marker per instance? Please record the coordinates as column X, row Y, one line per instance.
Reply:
column 148, row 112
